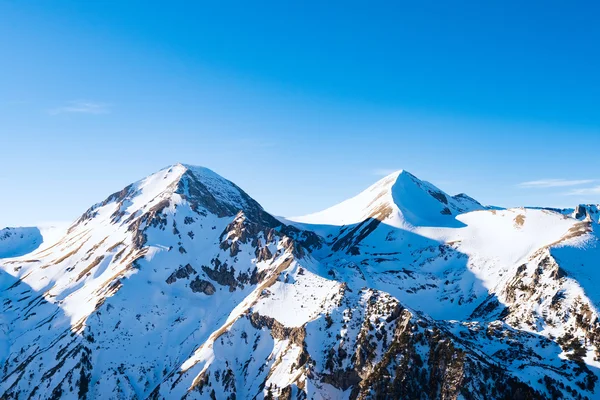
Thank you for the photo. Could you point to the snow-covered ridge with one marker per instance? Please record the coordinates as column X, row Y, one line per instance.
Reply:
column 400, row 195
column 199, row 186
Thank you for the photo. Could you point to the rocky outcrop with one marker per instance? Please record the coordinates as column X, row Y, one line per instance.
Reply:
column 202, row 286
column 581, row 212
column 181, row 273
column 358, row 232
column 221, row 273
column 278, row 330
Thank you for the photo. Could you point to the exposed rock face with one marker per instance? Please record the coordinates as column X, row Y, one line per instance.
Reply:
column 200, row 285
column 278, row 331
column 222, row 274
column 181, row 273
column 580, row 212
column 200, row 196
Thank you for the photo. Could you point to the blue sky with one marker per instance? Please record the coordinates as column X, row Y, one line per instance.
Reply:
column 302, row 105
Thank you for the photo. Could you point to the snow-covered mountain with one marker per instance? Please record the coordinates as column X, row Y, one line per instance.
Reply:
column 182, row 286
column 15, row 242
column 19, row 241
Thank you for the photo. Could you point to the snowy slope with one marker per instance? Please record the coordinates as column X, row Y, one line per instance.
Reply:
column 414, row 202
column 15, row 242
column 182, row 286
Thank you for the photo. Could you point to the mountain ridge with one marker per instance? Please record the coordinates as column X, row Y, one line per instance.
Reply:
column 390, row 194
column 396, row 298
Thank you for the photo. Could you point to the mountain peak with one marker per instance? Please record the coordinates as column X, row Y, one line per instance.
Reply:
column 197, row 169
column 400, row 197
column 205, row 191
column 394, row 176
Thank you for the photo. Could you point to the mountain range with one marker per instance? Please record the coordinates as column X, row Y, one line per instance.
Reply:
column 181, row 286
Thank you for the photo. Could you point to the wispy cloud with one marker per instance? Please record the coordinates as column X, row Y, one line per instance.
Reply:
column 383, row 171
column 550, row 183
column 81, row 107
column 584, row 191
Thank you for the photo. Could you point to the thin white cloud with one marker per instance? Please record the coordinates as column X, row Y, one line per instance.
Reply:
column 550, row 183
column 584, row 191
column 82, row 107
column 383, row 171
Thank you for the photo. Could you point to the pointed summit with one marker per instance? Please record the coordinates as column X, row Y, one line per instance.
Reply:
column 203, row 187
column 400, row 198
column 205, row 191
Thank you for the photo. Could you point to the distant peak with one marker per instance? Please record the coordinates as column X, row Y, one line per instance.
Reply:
column 188, row 167
column 397, row 174
column 391, row 179
column 404, row 197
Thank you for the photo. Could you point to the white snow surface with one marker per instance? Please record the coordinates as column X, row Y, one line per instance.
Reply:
column 416, row 202
column 16, row 242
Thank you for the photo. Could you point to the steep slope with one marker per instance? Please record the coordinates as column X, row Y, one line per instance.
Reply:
column 182, row 286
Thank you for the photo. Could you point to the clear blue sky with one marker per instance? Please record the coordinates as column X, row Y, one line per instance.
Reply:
column 301, row 105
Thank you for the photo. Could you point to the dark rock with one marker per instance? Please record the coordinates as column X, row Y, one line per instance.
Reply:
column 222, row 274
column 181, row 273
column 580, row 212
column 439, row 196
column 278, row 331
column 200, row 285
